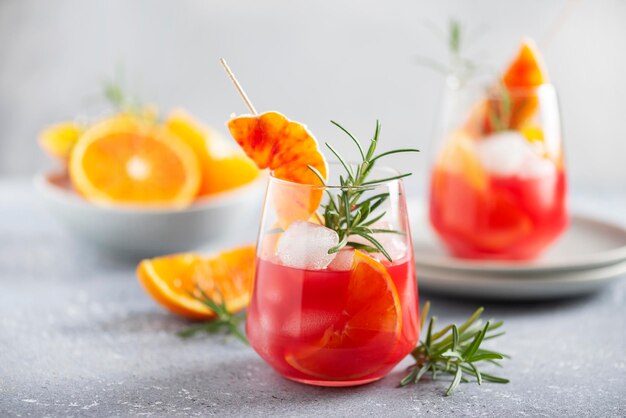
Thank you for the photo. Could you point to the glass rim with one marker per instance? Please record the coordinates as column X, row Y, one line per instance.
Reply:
column 492, row 90
column 375, row 183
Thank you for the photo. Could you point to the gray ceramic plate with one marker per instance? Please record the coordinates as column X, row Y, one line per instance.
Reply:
column 587, row 243
column 590, row 254
column 548, row 286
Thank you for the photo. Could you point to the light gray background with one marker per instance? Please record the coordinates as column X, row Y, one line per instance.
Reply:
column 347, row 60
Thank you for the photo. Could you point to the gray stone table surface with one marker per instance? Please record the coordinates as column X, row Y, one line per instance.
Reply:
column 79, row 337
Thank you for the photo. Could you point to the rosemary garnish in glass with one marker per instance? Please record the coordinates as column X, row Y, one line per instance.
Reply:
column 455, row 351
column 459, row 69
column 349, row 213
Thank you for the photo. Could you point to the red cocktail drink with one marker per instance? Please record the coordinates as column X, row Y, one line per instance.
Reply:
column 504, row 217
column 334, row 328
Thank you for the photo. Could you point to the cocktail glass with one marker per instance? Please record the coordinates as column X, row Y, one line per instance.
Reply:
column 337, row 319
column 498, row 186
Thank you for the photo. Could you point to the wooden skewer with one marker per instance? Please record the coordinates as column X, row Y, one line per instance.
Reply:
column 242, row 93
column 245, row 98
column 559, row 22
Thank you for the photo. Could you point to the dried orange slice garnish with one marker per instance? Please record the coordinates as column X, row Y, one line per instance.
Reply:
column 226, row 277
column 128, row 160
column 59, row 139
column 223, row 166
column 367, row 332
column 288, row 148
column 525, row 73
column 527, row 68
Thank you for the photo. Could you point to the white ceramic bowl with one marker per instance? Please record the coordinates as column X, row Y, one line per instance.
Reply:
column 139, row 232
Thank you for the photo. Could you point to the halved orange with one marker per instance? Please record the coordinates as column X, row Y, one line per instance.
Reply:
column 525, row 73
column 224, row 167
column 288, row 148
column 59, row 139
column 367, row 333
column 128, row 160
column 172, row 280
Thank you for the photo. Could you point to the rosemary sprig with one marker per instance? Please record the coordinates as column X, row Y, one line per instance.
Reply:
column 455, row 351
column 349, row 213
column 459, row 68
column 500, row 109
column 225, row 321
column 115, row 94
column 122, row 102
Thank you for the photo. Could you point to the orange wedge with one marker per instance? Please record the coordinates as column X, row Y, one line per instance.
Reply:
column 128, row 160
column 226, row 277
column 223, row 167
column 458, row 156
column 525, row 73
column 368, row 331
column 59, row 139
column 288, row 148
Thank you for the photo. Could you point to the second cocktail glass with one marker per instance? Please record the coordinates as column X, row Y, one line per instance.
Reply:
column 498, row 188
column 338, row 319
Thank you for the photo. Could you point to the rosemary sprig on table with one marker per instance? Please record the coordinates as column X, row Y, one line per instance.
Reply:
column 225, row 321
column 455, row 351
column 349, row 213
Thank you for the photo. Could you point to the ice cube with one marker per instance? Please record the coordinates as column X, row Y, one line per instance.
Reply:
column 503, row 153
column 509, row 153
column 343, row 260
column 305, row 245
column 392, row 243
column 537, row 167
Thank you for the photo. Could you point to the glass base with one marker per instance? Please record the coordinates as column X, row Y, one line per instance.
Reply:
column 334, row 383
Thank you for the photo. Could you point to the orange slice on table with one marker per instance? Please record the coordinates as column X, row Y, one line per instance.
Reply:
column 286, row 147
column 223, row 166
column 127, row 160
column 366, row 334
column 226, row 277
column 59, row 139
column 525, row 72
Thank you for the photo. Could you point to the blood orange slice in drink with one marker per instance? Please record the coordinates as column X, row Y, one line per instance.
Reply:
column 288, row 148
column 366, row 334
